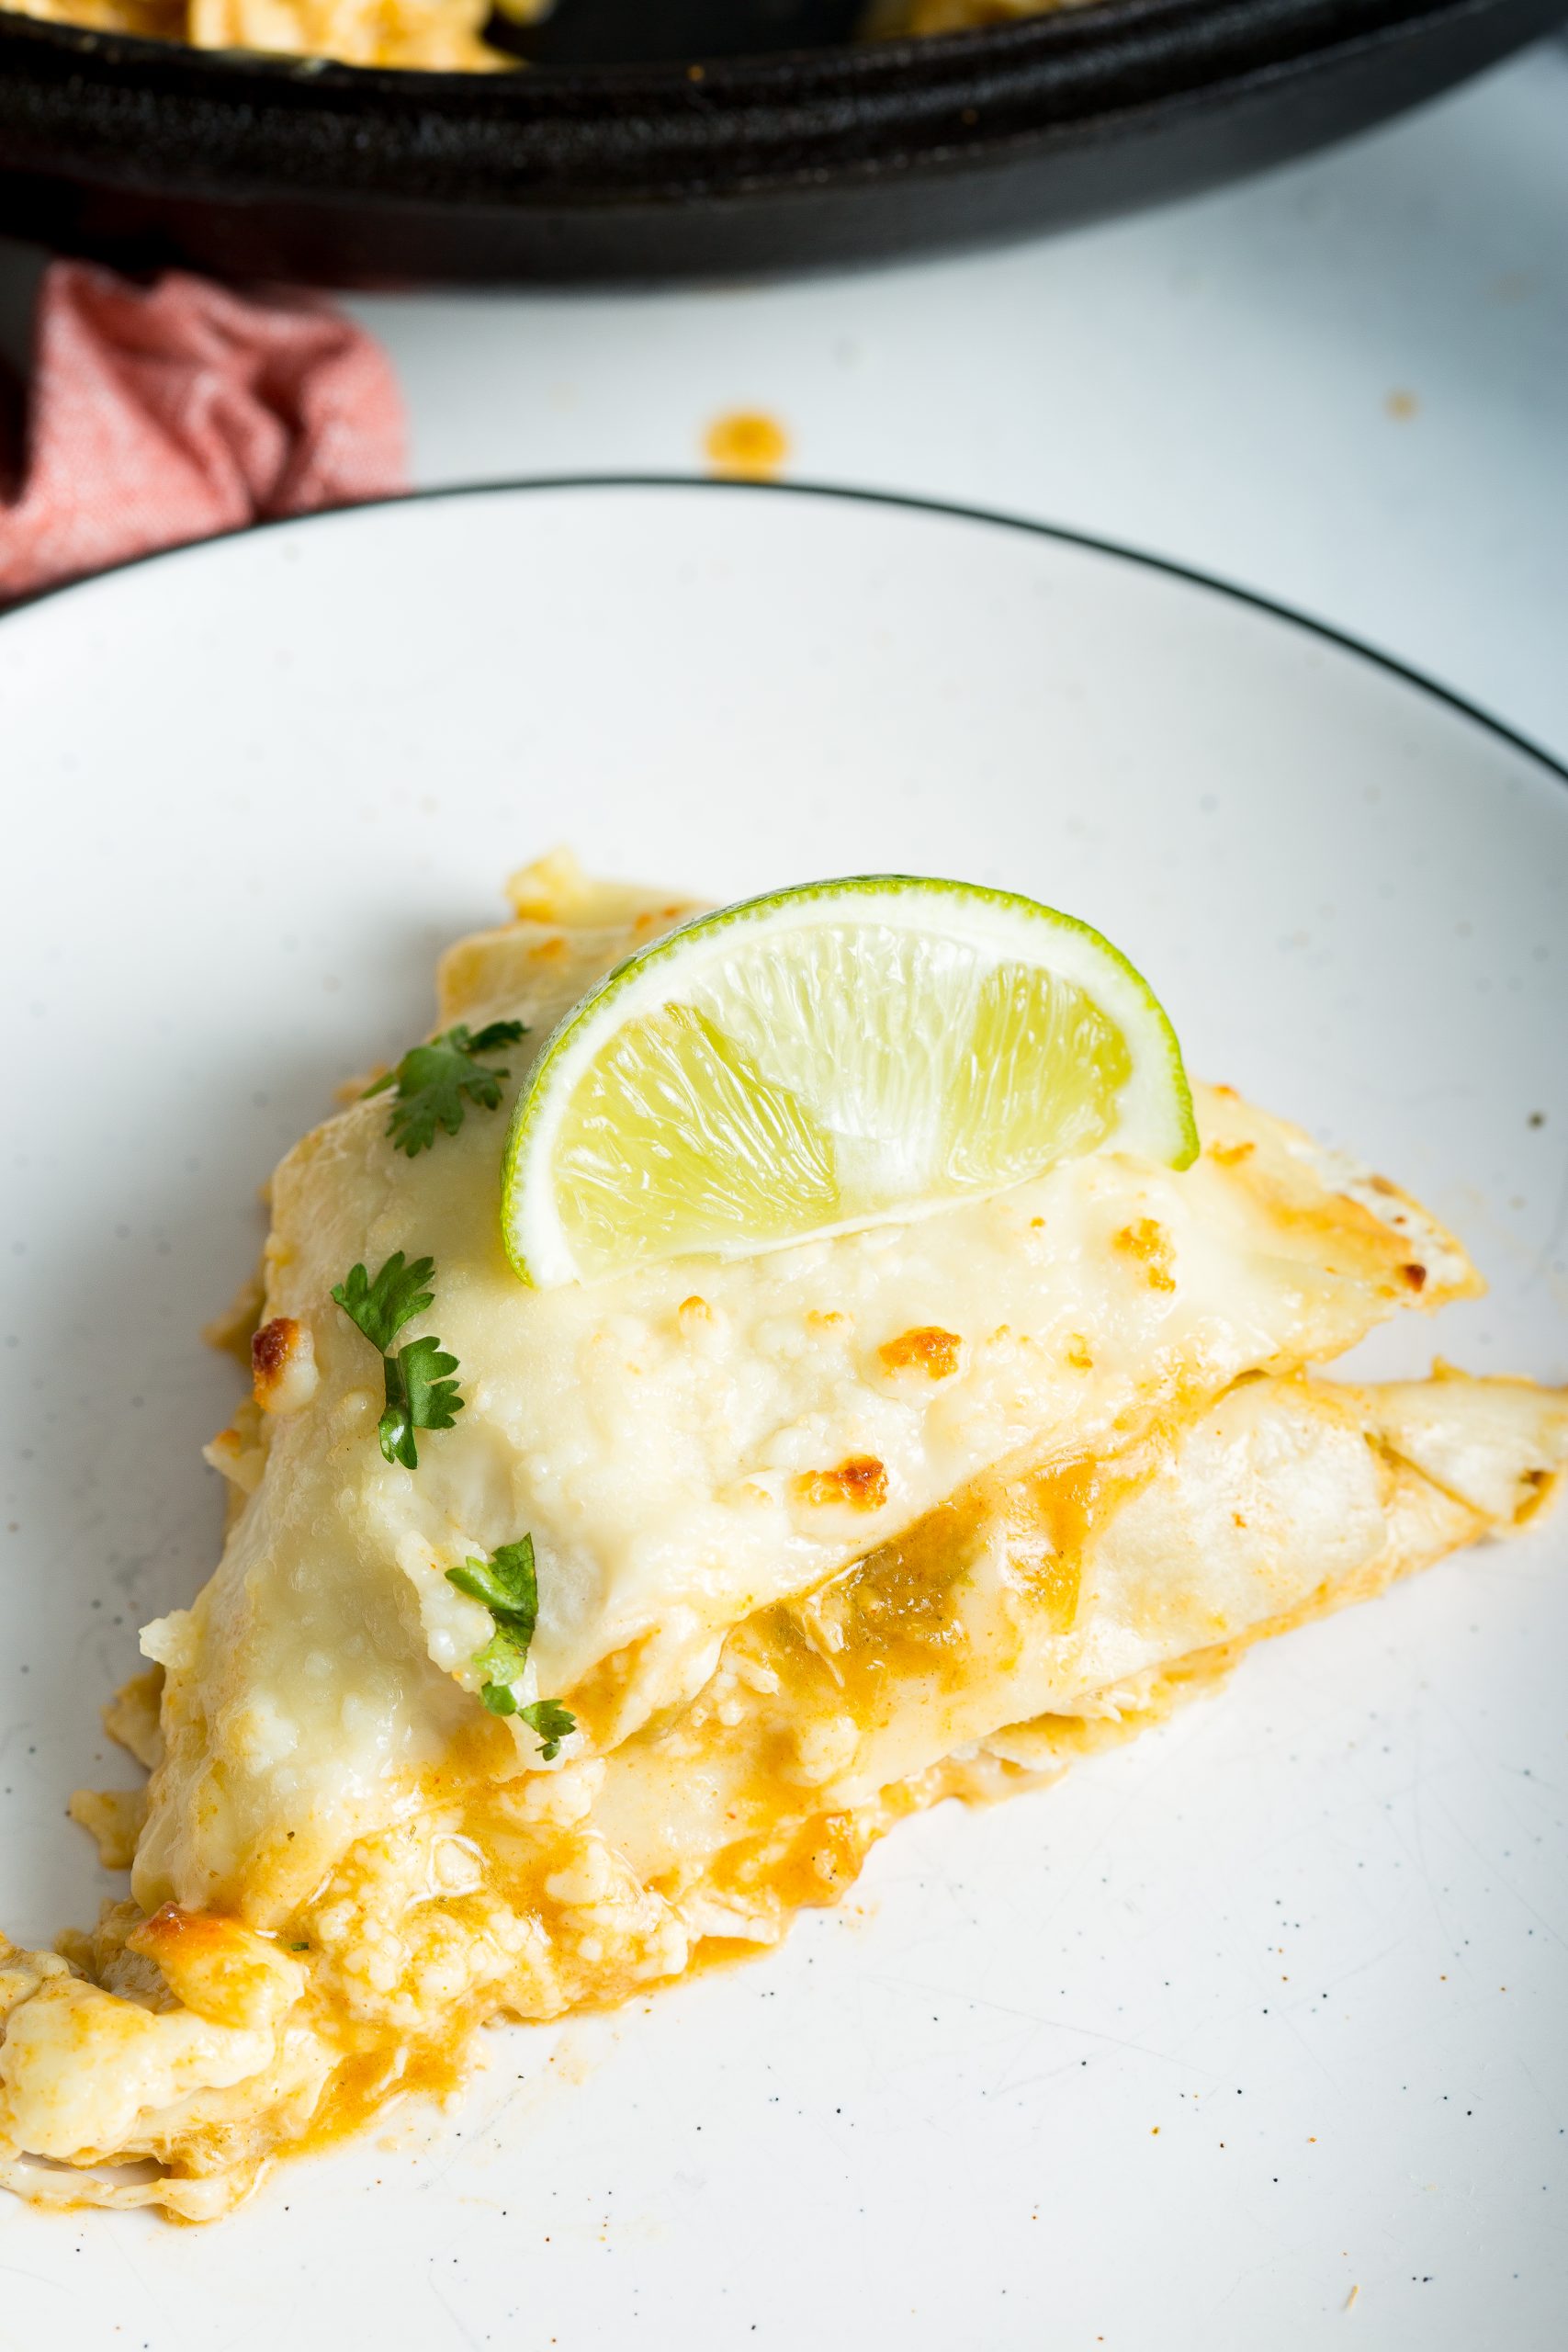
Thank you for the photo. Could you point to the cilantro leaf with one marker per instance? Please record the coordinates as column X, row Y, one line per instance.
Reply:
column 421, row 1392
column 501, row 1662
column 420, row 1396
column 496, row 1034
column 432, row 1080
column 552, row 1723
column 507, row 1585
column 382, row 1307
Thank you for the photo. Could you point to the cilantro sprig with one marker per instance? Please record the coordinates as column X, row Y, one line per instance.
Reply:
column 421, row 1392
column 432, row 1080
column 508, row 1585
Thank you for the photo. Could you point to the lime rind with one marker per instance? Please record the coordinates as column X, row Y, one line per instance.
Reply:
column 812, row 1102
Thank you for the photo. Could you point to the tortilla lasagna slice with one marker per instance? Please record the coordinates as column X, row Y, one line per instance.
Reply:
column 808, row 1540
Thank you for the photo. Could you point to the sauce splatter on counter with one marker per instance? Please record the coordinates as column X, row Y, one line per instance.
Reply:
column 746, row 445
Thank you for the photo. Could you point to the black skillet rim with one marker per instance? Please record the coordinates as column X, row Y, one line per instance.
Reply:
column 112, row 107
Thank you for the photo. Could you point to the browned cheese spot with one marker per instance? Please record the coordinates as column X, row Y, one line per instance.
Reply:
column 859, row 1483
column 1146, row 1240
column 928, row 1348
column 283, row 1365
column 1415, row 1275
column 273, row 1348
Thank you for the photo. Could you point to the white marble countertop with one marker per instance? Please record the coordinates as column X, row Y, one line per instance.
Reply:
column 1344, row 385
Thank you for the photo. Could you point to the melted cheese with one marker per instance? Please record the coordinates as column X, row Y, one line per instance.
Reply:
column 821, row 1536
column 685, row 1443
column 1028, row 1619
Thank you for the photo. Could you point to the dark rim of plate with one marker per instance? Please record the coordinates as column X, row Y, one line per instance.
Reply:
column 950, row 509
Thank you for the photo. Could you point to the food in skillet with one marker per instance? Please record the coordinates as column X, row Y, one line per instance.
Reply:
column 740, row 1381
column 441, row 36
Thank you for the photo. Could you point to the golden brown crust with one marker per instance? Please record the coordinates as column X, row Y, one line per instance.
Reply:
column 858, row 1484
column 283, row 1365
column 927, row 1349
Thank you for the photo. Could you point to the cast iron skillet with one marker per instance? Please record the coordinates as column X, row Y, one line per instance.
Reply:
column 148, row 153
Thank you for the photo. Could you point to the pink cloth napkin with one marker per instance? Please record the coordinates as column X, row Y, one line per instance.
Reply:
column 166, row 412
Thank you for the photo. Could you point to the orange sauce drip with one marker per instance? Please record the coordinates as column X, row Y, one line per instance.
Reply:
column 746, row 445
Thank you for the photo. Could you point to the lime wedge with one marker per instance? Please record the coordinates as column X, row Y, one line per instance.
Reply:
column 840, row 1055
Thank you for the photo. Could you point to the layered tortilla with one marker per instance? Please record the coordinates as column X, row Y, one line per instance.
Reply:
column 822, row 1536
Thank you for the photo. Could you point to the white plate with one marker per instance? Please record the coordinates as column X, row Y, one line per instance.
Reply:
column 1263, row 2009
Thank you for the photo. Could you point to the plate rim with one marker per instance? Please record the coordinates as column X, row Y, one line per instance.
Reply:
column 845, row 493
